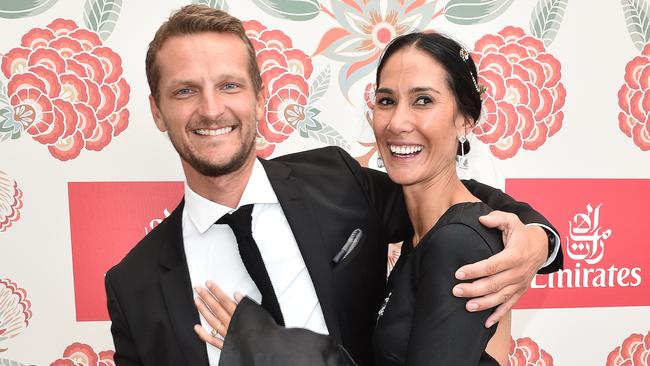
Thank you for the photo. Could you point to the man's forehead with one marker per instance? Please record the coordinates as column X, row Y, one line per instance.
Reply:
column 192, row 51
column 203, row 39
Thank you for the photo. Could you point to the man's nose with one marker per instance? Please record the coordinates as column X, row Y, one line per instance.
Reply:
column 211, row 105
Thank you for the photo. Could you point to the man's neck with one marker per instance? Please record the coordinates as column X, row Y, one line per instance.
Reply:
column 225, row 190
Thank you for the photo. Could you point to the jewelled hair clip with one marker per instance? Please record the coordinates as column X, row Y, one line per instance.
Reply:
column 480, row 88
column 464, row 54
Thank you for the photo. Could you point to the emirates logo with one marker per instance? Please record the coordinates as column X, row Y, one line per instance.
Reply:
column 586, row 246
column 586, row 240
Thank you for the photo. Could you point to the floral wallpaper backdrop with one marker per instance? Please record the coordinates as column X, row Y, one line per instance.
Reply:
column 567, row 97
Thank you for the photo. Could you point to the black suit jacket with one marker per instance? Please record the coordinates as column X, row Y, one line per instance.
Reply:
column 325, row 195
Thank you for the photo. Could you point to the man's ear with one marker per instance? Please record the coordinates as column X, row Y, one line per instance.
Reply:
column 261, row 101
column 157, row 116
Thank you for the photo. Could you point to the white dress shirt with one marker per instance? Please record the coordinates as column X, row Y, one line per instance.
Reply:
column 212, row 254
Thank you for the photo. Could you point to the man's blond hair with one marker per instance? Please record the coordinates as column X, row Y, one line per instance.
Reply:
column 192, row 19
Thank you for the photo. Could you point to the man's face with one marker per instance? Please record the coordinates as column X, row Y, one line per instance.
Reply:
column 207, row 102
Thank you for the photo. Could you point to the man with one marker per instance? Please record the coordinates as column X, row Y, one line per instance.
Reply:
column 206, row 92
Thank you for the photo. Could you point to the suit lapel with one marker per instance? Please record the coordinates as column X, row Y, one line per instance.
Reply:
column 307, row 232
column 177, row 291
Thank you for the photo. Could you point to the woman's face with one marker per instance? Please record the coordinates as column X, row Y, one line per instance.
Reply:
column 416, row 121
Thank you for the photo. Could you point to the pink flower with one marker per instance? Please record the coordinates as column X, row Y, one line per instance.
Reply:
column 634, row 100
column 15, row 310
column 523, row 102
column 285, row 71
column 81, row 354
column 66, row 89
column 64, row 362
column 525, row 352
column 635, row 351
column 369, row 96
column 365, row 28
column 394, row 251
column 10, row 201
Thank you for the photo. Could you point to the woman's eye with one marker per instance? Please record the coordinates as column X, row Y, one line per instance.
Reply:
column 423, row 100
column 385, row 101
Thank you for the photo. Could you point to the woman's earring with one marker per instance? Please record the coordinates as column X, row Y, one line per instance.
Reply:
column 461, row 160
column 380, row 161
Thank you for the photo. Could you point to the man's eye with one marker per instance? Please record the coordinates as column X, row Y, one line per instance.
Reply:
column 230, row 86
column 423, row 100
column 183, row 91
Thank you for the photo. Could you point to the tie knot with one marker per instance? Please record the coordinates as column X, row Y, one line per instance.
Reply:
column 239, row 221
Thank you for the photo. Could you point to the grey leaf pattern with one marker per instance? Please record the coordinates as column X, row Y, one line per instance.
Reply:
column 547, row 18
column 638, row 24
column 318, row 88
column 101, row 16
column 216, row 4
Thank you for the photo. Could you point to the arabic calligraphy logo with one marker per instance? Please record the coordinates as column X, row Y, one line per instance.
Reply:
column 154, row 222
column 586, row 240
column 586, row 243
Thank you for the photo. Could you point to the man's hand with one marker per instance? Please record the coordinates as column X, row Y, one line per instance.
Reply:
column 216, row 308
column 503, row 278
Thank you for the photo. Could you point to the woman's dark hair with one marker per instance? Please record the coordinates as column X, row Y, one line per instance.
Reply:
column 461, row 74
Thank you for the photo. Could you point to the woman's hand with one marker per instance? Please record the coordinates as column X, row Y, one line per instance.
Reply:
column 217, row 309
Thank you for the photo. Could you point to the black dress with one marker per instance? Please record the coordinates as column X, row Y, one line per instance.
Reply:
column 422, row 323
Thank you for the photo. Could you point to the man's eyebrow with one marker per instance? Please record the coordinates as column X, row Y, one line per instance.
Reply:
column 182, row 82
column 224, row 77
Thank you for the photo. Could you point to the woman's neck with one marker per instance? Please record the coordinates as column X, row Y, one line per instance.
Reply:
column 427, row 201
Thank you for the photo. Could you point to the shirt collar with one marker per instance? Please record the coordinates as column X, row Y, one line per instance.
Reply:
column 203, row 212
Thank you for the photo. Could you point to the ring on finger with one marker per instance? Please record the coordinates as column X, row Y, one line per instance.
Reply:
column 215, row 331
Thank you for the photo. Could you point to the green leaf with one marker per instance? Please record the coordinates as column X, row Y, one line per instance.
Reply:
column 5, row 362
column 466, row 12
column 638, row 25
column 299, row 10
column 319, row 86
column 313, row 111
column 323, row 133
column 3, row 94
column 303, row 132
column 311, row 123
column 101, row 16
column 547, row 18
column 217, row 4
column 8, row 127
column 13, row 9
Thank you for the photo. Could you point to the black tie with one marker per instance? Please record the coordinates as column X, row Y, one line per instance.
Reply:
column 240, row 223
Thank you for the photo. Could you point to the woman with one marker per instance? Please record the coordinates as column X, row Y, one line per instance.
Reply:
column 427, row 99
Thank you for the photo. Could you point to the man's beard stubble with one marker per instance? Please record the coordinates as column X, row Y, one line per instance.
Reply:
column 209, row 169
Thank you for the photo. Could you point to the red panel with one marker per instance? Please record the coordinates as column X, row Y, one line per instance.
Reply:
column 603, row 226
column 106, row 220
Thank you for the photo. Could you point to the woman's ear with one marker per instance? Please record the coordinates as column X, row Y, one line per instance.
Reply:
column 464, row 125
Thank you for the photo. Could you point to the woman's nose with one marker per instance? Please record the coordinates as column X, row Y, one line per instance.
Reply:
column 401, row 121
